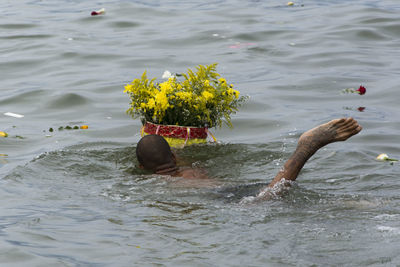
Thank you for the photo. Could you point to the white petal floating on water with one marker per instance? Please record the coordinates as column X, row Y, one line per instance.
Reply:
column 167, row 75
column 384, row 157
column 15, row 115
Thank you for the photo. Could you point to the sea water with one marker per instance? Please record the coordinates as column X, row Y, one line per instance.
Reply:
column 77, row 198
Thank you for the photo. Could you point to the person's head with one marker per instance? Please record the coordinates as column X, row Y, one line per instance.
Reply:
column 154, row 153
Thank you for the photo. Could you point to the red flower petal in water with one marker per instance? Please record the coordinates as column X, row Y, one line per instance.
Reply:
column 361, row 109
column 361, row 90
column 98, row 12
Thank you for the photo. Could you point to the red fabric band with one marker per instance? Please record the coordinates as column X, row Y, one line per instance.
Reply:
column 175, row 131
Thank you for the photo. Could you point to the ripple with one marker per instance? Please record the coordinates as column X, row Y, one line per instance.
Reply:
column 124, row 24
column 21, row 64
column 17, row 26
column 27, row 36
column 393, row 29
column 23, row 97
column 68, row 100
column 367, row 34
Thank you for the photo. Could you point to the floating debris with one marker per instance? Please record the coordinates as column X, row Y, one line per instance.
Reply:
column 360, row 109
column 15, row 115
column 76, row 127
column 290, row 3
column 98, row 12
column 361, row 90
column 385, row 157
column 3, row 134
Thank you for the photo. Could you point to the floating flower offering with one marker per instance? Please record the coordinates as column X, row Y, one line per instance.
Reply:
column 385, row 157
column 76, row 127
column 98, row 12
column 201, row 99
column 3, row 134
column 361, row 90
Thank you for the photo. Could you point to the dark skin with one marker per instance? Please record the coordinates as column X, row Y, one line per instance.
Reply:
column 311, row 141
column 181, row 172
column 308, row 143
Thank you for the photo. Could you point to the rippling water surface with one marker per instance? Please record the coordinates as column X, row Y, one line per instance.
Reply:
column 76, row 197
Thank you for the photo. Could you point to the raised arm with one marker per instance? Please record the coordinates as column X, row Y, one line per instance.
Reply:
column 312, row 140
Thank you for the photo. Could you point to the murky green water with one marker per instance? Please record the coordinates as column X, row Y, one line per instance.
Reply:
column 76, row 198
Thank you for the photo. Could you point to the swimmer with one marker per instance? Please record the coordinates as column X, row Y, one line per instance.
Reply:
column 154, row 153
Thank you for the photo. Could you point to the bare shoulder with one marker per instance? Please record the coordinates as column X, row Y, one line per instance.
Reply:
column 193, row 173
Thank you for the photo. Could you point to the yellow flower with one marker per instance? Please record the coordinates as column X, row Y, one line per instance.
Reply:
column 128, row 88
column 207, row 95
column 161, row 100
column 186, row 96
column 198, row 98
column 151, row 104
column 166, row 87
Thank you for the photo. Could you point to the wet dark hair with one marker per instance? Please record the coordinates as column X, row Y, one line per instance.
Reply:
column 154, row 153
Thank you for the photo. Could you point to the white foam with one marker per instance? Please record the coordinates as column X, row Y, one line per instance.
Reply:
column 268, row 192
column 388, row 229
